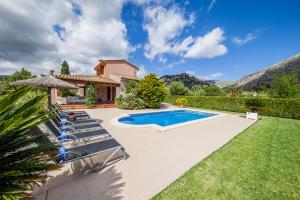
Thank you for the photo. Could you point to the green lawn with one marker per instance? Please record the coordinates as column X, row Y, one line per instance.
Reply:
column 263, row 162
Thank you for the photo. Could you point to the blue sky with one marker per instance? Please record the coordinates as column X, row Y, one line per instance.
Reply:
column 211, row 39
column 273, row 25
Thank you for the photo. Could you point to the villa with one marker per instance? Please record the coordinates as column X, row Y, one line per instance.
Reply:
column 109, row 81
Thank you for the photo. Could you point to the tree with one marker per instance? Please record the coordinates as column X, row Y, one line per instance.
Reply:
column 90, row 96
column 22, row 161
column 153, row 91
column 198, row 90
column 233, row 91
column 285, row 86
column 65, row 68
column 17, row 75
column 213, row 91
column 178, row 88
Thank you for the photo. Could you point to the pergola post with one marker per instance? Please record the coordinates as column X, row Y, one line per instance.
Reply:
column 49, row 98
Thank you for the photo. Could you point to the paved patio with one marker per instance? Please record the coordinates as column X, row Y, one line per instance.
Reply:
column 156, row 159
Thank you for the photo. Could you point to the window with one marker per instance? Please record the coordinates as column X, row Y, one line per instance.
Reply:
column 101, row 70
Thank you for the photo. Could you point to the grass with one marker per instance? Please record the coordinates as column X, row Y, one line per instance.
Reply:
column 263, row 162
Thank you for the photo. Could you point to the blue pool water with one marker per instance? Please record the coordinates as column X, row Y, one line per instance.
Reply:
column 164, row 118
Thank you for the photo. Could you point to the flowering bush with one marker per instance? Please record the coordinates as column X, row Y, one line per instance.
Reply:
column 130, row 101
column 181, row 101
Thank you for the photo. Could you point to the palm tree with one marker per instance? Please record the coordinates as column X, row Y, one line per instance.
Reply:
column 23, row 161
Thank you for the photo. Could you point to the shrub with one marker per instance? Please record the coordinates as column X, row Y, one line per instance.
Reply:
column 213, row 91
column 119, row 101
column 133, row 87
column 181, row 101
column 254, row 104
column 67, row 92
column 276, row 107
column 153, row 91
column 130, row 101
column 90, row 96
column 178, row 88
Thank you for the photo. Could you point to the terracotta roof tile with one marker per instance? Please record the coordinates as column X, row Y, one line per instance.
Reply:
column 86, row 78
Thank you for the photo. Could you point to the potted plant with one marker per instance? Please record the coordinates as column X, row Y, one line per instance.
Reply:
column 253, row 105
column 181, row 102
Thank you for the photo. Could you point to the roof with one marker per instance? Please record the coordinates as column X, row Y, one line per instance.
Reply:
column 86, row 78
column 127, row 77
column 48, row 81
column 117, row 61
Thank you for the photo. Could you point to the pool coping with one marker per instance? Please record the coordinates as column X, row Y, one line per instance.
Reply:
column 115, row 121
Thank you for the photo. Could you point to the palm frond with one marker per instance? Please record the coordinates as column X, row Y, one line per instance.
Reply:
column 13, row 97
column 24, row 157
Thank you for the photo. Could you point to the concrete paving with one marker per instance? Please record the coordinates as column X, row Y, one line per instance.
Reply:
column 156, row 159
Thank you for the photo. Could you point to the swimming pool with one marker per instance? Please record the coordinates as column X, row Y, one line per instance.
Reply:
column 164, row 118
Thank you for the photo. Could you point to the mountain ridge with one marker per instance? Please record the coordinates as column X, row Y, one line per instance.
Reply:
column 265, row 76
column 262, row 77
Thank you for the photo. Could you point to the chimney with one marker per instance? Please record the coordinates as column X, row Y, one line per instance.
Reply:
column 51, row 72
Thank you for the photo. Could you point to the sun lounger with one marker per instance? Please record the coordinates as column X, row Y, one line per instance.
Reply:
column 75, row 111
column 77, row 122
column 77, row 127
column 76, row 137
column 77, row 114
column 110, row 150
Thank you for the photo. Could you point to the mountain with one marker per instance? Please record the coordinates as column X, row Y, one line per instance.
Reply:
column 265, row 76
column 222, row 84
column 187, row 79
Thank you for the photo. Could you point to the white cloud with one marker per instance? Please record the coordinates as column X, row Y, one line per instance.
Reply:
column 163, row 26
column 142, row 71
column 211, row 5
column 241, row 41
column 212, row 76
column 207, row 46
column 162, row 60
column 173, row 64
column 183, row 46
column 28, row 40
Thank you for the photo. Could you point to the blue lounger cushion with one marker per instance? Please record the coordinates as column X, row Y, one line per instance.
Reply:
column 63, row 154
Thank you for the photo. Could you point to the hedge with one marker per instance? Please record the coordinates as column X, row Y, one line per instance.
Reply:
column 285, row 108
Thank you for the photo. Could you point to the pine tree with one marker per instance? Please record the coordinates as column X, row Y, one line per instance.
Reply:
column 153, row 91
column 65, row 68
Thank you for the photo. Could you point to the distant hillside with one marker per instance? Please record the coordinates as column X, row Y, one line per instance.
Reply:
column 265, row 76
column 187, row 79
column 2, row 77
